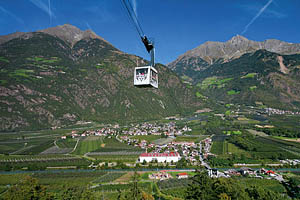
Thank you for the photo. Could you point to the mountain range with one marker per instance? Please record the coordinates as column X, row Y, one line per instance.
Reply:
column 211, row 53
column 244, row 71
column 63, row 75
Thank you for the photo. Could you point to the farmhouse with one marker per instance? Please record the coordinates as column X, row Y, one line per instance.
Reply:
column 160, row 176
column 159, row 157
column 182, row 175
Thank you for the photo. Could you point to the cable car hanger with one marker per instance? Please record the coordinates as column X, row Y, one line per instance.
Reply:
column 145, row 75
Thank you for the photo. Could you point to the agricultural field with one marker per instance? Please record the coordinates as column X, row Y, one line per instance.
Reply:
column 224, row 148
column 124, row 177
column 289, row 147
column 3, row 59
column 74, row 178
column 232, row 92
column 66, row 143
column 129, row 158
column 233, row 149
column 249, row 75
column 218, row 147
column 25, row 147
column 89, row 144
column 287, row 138
column 272, row 185
column 259, row 133
column 213, row 81
column 37, row 148
column 248, row 148
column 232, row 132
column 29, row 142
column 110, row 177
column 266, row 147
column 175, row 193
column 113, row 145
column 162, row 141
column 245, row 120
column 56, row 150
column 173, row 183
column 66, row 177
column 57, row 181
column 148, row 138
column 40, row 162
column 123, row 187
column 10, row 179
column 193, row 138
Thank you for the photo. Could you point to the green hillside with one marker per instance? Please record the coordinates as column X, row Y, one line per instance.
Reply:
column 46, row 82
column 254, row 77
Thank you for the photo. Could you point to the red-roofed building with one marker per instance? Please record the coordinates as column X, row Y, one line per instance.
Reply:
column 182, row 175
column 160, row 157
column 270, row 172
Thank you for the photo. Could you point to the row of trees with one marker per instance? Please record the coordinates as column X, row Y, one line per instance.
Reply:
column 201, row 187
column 205, row 188
column 281, row 132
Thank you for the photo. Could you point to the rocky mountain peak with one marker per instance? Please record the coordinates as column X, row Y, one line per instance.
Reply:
column 238, row 39
column 237, row 46
column 70, row 34
column 67, row 32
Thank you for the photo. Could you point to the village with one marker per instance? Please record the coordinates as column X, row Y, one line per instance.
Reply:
column 273, row 111
column 168, row 152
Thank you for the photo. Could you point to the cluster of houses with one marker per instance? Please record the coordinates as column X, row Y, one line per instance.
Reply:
column 272, row 111
column 160, row 176
column 174, row 151
column 134, row 142
column 163, row 175
column 291, row 162
column 107, row 131
column 246, row 171
column 207, row 147
column 168, row 129
column 160, row 157
column 168, row 152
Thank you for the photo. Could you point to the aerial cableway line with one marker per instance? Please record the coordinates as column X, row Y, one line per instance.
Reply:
column 145, row 75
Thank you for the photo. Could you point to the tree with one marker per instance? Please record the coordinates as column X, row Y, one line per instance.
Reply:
column 293, row 187
column 70, row 193
column 87, row 194
column 144, row 162
column 28, row 188
column 146, row 196
column 255, row 192
column 227, row 189
column 200, row 188
column 135, row 190
column 181, row 163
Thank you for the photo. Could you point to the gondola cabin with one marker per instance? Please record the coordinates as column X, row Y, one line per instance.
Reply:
column 146, row 76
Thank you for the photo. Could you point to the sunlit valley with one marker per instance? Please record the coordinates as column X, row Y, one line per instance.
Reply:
column 82, row 118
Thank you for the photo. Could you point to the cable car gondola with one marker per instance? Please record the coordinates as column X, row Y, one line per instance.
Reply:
column 145, row 75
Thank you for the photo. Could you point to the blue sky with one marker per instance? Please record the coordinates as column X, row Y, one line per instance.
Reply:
column 176, row 25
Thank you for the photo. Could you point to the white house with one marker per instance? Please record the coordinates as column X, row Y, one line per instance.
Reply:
column 160, row 157
column 182, row 175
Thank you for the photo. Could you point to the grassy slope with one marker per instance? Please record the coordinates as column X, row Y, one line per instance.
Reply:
column 59, row 85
